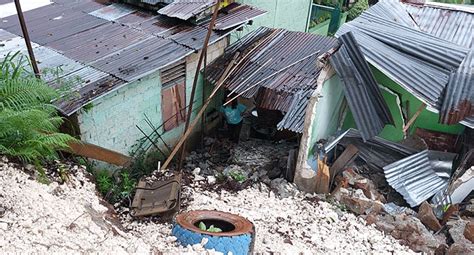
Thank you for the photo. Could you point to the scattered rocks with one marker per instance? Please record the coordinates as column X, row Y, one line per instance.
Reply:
column 469, row 231
column 426, row 215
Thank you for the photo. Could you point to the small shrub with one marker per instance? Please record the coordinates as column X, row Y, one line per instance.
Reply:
column 238, row 176
column 126, row 185
column 104, row 182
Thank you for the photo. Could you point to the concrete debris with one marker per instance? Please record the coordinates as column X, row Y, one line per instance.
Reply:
column 426, row 215
column 283, row 188
column 295, row 224
column 409, row 230
column 461, row 245
column 364, row 184
column 358, row 203
column 393, row 209
column 462, row 186
column 39, row 219
column 469, row 231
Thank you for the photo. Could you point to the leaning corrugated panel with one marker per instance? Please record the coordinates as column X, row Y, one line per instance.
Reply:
column 414, row 178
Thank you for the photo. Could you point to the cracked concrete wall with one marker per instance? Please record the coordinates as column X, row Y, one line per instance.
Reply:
column 112, row 120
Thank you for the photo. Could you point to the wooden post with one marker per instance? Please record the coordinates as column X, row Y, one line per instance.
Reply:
column 196, row 76
column 26, row 36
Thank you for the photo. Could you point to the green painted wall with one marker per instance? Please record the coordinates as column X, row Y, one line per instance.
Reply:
column 287, row 14
column 427, row 119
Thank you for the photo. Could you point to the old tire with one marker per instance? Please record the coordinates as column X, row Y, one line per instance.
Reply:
column 238, row 240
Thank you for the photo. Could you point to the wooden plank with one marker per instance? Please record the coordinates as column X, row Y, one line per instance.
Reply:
column 99, row 153
column 347, row 156
column 322, row 178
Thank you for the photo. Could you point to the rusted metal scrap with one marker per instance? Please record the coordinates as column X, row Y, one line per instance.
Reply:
column 159, row 197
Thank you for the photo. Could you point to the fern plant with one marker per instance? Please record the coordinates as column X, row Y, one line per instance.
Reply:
column 29, row 123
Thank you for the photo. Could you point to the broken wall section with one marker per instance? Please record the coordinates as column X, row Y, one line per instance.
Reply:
column 324, row 115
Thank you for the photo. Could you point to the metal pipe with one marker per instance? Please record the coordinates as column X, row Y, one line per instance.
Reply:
column 26, row 36
column 196, row 76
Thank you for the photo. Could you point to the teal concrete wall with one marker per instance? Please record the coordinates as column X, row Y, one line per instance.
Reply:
column 327, row 115
column 288, row 14
column 112, row 120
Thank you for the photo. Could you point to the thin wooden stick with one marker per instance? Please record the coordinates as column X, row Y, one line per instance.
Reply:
column 412, row 120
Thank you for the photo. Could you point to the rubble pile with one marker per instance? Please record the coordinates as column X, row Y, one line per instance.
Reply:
column 427, row 218
column 71, row 218
column 237, row 166
column 298, row 223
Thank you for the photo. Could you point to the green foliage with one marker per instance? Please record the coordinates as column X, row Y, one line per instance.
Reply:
column 42, row 177
column 86, row 108
column 212, row 229
column 238, row 176
column 114, row 189
column 105, row 182
column 357, row 9
column 29, row 123
column 126, row 185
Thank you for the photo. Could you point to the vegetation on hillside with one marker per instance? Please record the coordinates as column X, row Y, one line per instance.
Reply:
column 29, row 123
column 357, row 9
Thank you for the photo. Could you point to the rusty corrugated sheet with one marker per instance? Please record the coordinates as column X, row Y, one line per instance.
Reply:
column 53, row 22
column 103, row 46
column 112, row 12
column 142, row 59
column 362, row 92
column 235, row 14
column 450, row 22
column 283, row 64
column 459, row 100
column 98, row 42
column 186, row 9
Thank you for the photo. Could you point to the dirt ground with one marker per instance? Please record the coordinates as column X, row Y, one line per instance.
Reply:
column 71, row 218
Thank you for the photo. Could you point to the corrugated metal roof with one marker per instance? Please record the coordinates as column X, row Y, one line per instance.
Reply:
column 363, row 94
column 236, row 14
column 117, row 45
column 186, row 9
column 449, row 22
column 112, row 12
column 141, row 59
column 419, row 61
column 414, row 178
column 376, row 152
column 394, row 11
column 60, row 71
column 459, row 102
column 282, row 64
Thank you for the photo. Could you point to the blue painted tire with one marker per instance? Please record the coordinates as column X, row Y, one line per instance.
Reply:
column 239, row 241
